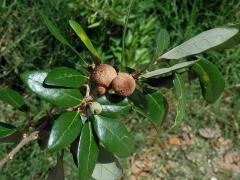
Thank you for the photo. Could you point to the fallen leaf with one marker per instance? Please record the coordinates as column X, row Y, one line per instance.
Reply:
column 229, row 167
column 209, row 133
column 174, row 141
column 232, row 157
column 187, row 140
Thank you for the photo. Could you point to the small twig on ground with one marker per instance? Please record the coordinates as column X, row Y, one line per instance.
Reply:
column 26, row 139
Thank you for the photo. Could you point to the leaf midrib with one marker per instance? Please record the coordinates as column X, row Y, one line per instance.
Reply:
column 120, row 138
column 156, row 103
column 63, row 134
column 16, row 103
column 65, row 77
column 180, row 98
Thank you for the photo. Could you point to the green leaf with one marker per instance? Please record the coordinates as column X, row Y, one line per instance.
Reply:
column 11, row 97
column 87, row 153
column 162, row 41
column 6, row 129
column 57, row 34
column 211, row 80
column 151, row 105
column 57, row 173
column 55, row 31
column 65, row 77
column 201, row 43
column 65, row 129
column 156, row 108
column 138, row 99
column 168, row 70
column 180, row 93
column 107, row 171
column 57, row 96
column 83, row 36
column 114, row 136
column 114, row 104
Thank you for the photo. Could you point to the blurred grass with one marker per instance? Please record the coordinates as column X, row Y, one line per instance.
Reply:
column 26, row 44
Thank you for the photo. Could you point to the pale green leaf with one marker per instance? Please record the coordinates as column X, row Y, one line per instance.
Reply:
column 168, row 70
column 107, row 171
column 200, row 43
column 180, row 93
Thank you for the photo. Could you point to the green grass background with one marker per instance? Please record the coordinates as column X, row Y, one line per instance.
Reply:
column 26, row 44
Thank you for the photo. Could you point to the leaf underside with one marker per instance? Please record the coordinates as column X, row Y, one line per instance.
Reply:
column 180, row 92
column 201, row 43
column 162, row 71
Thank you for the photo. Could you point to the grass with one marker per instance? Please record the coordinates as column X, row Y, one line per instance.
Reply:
column 26, row 44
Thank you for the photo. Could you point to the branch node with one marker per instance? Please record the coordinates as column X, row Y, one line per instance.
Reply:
column 35, row 137
column 26, row 139
column 24, row 135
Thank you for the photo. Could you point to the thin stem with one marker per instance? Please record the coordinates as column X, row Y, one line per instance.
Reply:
column 26, row 139
column 123, row 63
column 79, row 55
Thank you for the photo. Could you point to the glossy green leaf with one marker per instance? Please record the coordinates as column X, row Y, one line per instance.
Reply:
column 11, row 97
column 151, row 105
column 180, row 92
column 55, row 31
column 57, row 173
column 162, row 42
column 65, row 129
column 83, row 36
column 57, row 96
column 200, row 43
column 168, row 70
column 107, row 171
column 211, row 80
column 114, row 136
column 113, row 104
column 156, row 108
column 65, row 77
column 6, row 129
column 88, row 151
